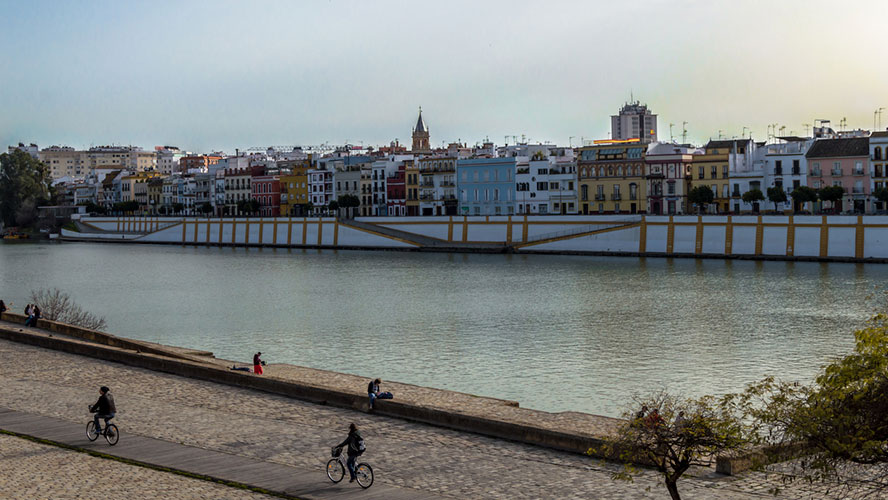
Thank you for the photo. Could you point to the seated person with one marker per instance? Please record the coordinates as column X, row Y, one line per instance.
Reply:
column 374, row 393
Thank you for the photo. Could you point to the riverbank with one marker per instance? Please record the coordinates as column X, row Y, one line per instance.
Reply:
column 280, row 430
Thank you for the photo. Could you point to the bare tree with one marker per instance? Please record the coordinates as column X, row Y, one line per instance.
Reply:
column 56, row 305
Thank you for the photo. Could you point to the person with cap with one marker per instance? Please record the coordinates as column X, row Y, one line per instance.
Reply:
column 104, row 408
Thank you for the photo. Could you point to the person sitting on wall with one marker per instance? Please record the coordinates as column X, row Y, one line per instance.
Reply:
column 374, row 393
column 2, row 307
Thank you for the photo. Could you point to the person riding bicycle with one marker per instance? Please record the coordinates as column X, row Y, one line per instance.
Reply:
column 104, row 408
column 355, row 448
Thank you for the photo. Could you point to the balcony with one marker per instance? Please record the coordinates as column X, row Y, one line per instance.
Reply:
column 858, row 190
column 796, row 171
column 859, row 172
column 836, row 172
column 427, row 184
column 633, row 197
column 616, row 197
column 599, row 197
column 815, row 172
column 735, row 194
column 447, row 184
column 778, row 170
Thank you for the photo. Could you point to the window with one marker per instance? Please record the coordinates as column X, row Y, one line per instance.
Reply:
column 714, row 172
column 495, row 194
column 584, row 189
column 542, row 186
column 877, row 153
column 796, row 167
column 700, row 173
column 714, row 188
column 778, row 167
column 724, row 191
column 670, row 188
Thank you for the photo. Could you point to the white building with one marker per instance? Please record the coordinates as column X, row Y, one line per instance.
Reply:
column 168, row 159
column 635, row 121
column 784, row 166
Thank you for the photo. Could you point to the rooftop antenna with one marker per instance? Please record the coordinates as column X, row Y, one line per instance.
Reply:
column 570, row 141
column 782, row 128
column 720, row 134
column 743, row 132
column 842, row 123
column 684, row 132
column 670, row 132
column 807, row 126
column 880, row 116
column 506, row 138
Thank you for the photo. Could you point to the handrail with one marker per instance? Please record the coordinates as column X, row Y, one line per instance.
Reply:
column 581, row 230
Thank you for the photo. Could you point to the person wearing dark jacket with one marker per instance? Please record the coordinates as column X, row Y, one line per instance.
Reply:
column 2, row 307
column 104, row 408
column 355, row 442
column 375, row 393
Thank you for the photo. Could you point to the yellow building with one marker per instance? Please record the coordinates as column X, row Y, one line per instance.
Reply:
column 611, row 178
column 155, row 194
column 294, row 188
column 712, row 168
column 411, row 185
column 63, row 161
column 134, row 187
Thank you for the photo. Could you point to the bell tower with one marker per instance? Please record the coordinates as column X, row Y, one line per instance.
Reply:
column 421, row 136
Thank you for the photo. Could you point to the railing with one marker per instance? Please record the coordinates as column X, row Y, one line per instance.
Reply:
column 616, row 197
column 447, row 184
column 857, row 190
column 778, row 171
column 633, row 197
column 599, row 197
column 815, row 172
column 836, row 172
column 582, row 229
column 859, row 172
column 796, row 171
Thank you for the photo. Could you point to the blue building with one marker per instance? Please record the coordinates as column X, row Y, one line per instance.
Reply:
column 486, row 186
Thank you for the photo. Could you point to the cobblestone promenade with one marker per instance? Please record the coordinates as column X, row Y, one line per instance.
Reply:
column 277, row 429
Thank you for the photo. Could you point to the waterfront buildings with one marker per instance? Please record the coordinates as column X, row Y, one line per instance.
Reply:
column 437, row 185
column 667, row 172
column 63, row 161
column 785, row 166
column 266, row 189
column 168, row 159
column 842, row 162
column 611, row 178
column 713, row 168
column 878, row 143
column 486, row 186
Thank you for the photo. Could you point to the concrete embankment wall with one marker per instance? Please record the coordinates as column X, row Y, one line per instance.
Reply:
column 837, row 238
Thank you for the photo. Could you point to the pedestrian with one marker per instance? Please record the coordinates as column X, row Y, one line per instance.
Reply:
column 356, row 447
column 679, row 422
column 654, row 420
column 374, row 393
column 36, row 311
column 2, row 307
column 257, row 364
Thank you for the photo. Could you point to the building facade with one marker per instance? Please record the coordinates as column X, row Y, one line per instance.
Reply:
column 844, row 163
column 612, row 179
column 486, row 186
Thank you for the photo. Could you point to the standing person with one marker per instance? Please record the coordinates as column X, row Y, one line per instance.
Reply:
column 355, row 448
column 257, row 364
column 104, row 408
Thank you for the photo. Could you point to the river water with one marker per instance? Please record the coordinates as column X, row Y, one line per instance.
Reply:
column 552, row 332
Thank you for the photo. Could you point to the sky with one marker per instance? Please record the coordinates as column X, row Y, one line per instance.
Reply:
column 220, row 75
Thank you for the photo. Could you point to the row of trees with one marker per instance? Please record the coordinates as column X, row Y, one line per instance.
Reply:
column 840, row 419
column 702, row 196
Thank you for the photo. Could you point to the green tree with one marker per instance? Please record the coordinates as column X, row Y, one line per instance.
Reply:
column 333, row 206
column 674, row 435
column 776, row 195
column 802, row 195
column 21, row 178
column 832, row 194
column 701, row 196
column 206, row 208
column 349, row 201
column 753, row 196
column 178, row 208
column 840, row 418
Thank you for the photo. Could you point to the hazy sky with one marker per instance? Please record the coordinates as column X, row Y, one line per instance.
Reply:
column 225, row 74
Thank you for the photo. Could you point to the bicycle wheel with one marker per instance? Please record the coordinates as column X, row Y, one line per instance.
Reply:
column 335, row 470
column 91, row 431
column 112, row 434
column 365, row 475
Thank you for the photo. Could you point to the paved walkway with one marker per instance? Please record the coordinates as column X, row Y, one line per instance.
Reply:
column 277, row 478
column 279, row 431
column 37, row 471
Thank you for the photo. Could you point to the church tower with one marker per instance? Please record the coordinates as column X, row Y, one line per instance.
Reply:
column 421, row 136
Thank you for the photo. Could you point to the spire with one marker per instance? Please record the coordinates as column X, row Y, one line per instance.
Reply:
column 420, row 125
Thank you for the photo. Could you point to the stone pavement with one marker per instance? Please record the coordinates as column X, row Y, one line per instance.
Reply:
column 299, row 434
column 256, row 473
column 38, row 471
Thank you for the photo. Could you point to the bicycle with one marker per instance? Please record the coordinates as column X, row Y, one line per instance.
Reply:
column 111, row 432
column 336, row 467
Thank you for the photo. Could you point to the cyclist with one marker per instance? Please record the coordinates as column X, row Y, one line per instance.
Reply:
column 104, row 408
column 355, row 447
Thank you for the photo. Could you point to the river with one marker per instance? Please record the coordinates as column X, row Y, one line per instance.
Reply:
column 555, row 333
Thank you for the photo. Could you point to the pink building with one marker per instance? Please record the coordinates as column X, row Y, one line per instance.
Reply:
column 842, row 162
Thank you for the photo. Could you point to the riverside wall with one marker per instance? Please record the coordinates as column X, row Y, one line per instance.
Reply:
column 826, row 238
